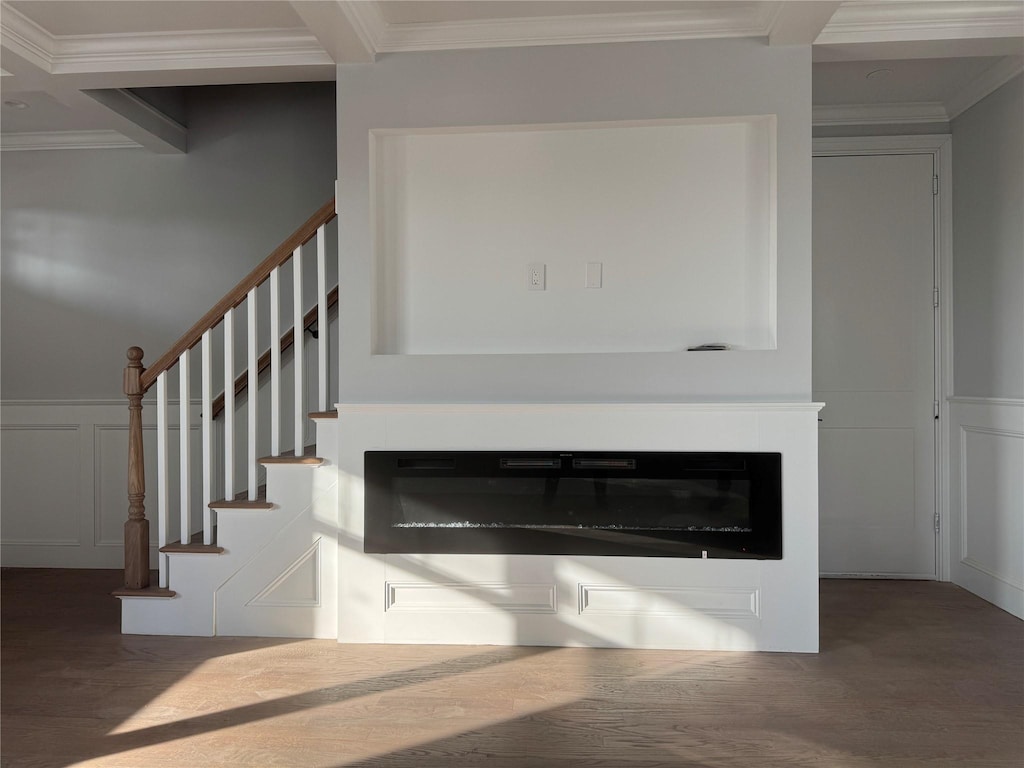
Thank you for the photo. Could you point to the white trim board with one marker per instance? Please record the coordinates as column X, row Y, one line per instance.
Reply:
column 1002, row 402
column 879, row 114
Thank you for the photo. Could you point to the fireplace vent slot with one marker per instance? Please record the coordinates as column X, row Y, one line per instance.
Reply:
column 604, row 463
column 530, row 463
column 427, row 463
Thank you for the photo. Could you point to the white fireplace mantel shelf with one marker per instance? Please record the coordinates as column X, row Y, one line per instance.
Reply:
column 542, row 408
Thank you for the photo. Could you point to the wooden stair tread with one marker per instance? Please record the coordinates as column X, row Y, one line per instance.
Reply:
column 192, row 549
column 324, row 414
column 308, row 456
column 241, row 500
column 158, row 592
column 194, row 546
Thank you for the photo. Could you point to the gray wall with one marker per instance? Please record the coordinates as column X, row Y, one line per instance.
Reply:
column 103, row 249
column 567, row 84
column 988, row 245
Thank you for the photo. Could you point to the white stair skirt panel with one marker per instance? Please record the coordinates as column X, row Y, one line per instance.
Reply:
column 277, row 575
column 637, row 602
column 289, row 589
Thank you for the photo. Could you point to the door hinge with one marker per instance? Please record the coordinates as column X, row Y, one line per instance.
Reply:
column 935, row 297
column 935, row 185
column 935, row 408
column 936, row 522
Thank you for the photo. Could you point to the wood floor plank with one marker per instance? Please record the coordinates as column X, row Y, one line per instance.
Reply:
column 910, row 675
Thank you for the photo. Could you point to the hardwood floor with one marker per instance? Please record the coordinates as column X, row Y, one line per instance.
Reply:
column 910, row 674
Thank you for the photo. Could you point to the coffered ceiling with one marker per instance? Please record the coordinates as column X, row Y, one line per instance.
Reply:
column 75, row 67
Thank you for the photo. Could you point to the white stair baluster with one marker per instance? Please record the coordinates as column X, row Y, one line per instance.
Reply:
column 229, row 405
column 161, row 474
column 184, row 473
column 275, row 362
column 298, row 347
column 321, row 315
column 252, row 396
column 207, row 364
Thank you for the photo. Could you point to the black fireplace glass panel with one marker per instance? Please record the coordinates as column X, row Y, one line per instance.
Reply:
column 648, row 504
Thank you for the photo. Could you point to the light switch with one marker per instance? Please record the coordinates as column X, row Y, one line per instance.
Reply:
column 593, row 274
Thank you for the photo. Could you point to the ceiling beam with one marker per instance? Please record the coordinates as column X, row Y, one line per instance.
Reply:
column 141, row 121
column 800, row 23
column 874, row 22
column 332, row 25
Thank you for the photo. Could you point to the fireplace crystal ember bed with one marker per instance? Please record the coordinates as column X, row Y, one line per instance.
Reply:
column 720, row 505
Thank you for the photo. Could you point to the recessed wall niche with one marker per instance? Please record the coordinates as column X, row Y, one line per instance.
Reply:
column 680, row 214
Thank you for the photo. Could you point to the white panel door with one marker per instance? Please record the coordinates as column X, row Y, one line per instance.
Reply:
column 874, row 364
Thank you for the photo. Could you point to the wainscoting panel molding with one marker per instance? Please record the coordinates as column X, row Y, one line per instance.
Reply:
column 110, row 466
column 463, row 598
column 712, row 602
column 42, row 486
column 986, row 499
column 64, row 467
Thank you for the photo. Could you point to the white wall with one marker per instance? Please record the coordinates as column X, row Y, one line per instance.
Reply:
column 986, row 429
column 103, row 249
column 988, row 245
column 708, row 78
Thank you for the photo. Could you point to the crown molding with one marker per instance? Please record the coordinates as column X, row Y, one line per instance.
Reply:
column 992, row 78
column 871, row 22
column 23, row 37
column 204, row 49
column 22, row 142
column 367, row 22
column 723, row 20
column 880, row 114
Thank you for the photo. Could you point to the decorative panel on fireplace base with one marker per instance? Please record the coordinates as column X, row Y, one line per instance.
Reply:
column 769, row 602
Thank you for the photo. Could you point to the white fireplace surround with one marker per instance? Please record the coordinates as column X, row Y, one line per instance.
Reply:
column 674, row 603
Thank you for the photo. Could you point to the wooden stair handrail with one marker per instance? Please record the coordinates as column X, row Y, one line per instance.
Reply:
column 137, row 380
column 237, row 295
column 287, row 339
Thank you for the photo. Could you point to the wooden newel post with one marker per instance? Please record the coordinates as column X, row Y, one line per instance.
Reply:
column 136, row 528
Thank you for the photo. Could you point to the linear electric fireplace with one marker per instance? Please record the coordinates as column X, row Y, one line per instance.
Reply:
column 682, row 504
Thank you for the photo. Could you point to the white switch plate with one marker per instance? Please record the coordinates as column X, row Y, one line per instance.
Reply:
column 593, row 274
column 536, row 276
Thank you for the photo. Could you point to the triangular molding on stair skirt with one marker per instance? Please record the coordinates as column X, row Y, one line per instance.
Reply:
column 298, row 586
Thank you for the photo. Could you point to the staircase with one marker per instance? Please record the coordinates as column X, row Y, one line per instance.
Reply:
column 255, row 548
